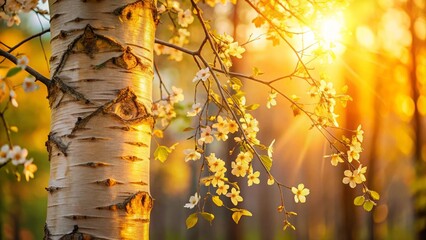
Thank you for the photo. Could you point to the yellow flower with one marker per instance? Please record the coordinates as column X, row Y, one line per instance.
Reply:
column 253, row 178
column 235, row 196
column 29, row 169
column 336, row 159
column 222, row 188
column 206, row 135
column 191, row 154
column 271, row 180
column 239, row 169
column 351, row 178
column 271, row 99
column 300, row 193
column 232, row 125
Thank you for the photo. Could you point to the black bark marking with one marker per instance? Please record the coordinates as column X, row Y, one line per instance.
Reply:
column 94, row 164
column 57, row 141
column 139, row 144
column 78, row 19
column 126, row 108
column 89, row 43
column 133, row 11
column 81, row 122
column 47, row 235
column 131, row 158
column 52, row 189
column 109, row 182
column 77, row 235
column 59, row 86
column 94, row 139
column 139, row 204
column 127, row 60
column 125, row 128
column 80, row 217
column 142, row 183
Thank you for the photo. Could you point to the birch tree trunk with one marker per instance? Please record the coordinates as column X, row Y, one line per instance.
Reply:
column 100, row 97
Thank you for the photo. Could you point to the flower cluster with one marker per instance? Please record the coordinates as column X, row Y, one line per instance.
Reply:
column 226, row 47
column 183, row 18
column 164, row 109
column 324, row 109
column 11, row 9
column 18, row 156
column 29, row 84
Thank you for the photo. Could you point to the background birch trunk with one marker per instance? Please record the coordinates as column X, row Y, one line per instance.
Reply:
column 100, row 97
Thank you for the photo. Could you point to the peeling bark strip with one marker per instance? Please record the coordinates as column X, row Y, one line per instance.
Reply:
column 139, row 204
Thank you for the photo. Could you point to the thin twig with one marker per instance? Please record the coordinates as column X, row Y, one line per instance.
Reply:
column 46, row 81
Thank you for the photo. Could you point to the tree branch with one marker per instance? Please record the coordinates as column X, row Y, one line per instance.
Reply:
column 28, row 39
column 46, row 81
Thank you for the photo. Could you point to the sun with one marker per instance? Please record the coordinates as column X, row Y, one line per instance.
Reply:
column 329, row 32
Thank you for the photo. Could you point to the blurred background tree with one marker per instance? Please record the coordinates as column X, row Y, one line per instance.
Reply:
column 382, row 59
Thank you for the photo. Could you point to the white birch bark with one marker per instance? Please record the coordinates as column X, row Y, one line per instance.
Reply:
column 100, row 97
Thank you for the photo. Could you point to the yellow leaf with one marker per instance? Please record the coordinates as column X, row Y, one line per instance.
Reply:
column 161, row 153
column 158, row 133
column 368, row 205
column 14, row 128
column 358, row 201
column 238, row 213
column 267, row 161
column 208, row 216
column 374, row 195
column 217, row 201
column 236, row 216
column 191, row 220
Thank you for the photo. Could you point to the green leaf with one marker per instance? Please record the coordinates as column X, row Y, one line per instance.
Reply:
column 191, row 220
column 374, row 195
column 217, row 201
column 161, row 153
column 208, row 216
column 13, row 71
column 368, row 205
column 267, row 161
column 358, row 201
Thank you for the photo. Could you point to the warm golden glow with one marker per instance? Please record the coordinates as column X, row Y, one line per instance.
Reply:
column 329, row 32
column 330, row 29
